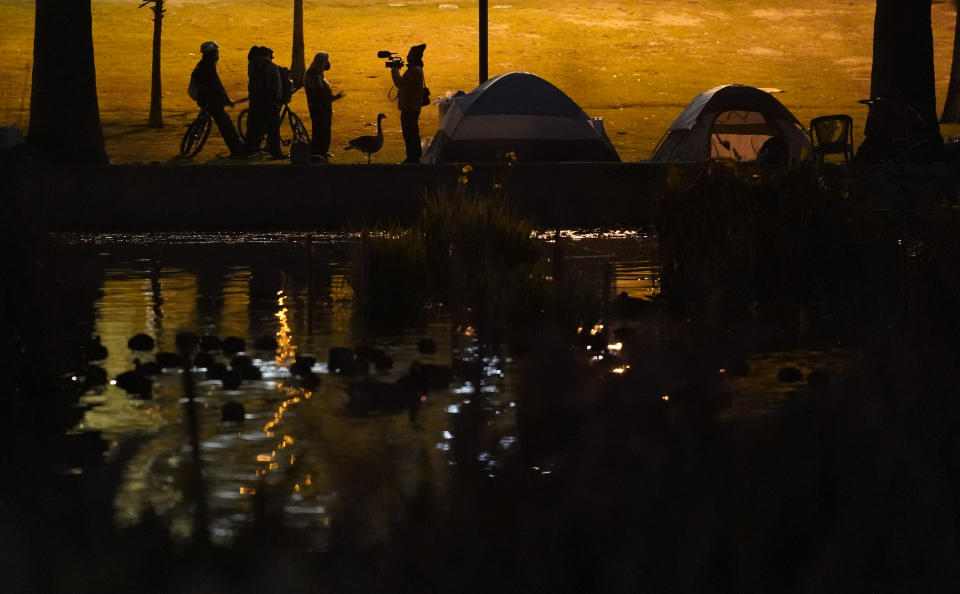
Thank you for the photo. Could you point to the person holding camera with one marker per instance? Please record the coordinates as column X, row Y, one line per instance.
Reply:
column 410, row 96
column 265, row 101
column 320, row 100
column 206, row 89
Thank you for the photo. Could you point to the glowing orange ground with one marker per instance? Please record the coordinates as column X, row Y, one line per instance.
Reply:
column 635, row 63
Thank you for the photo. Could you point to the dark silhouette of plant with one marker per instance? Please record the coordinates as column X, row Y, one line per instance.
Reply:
column 64, row 115
column 156, row 97
column 297, row 62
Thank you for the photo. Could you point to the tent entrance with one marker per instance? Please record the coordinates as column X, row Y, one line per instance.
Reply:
column 738, row 135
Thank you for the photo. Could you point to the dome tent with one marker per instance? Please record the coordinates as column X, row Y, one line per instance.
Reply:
column 731, row 122
column 521, row 113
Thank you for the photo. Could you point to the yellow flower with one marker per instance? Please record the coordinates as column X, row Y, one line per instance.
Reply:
column 467, row 169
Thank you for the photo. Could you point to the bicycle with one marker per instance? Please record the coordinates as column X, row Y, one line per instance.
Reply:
column 297, row 129
column 196, row 135
column 198, row 131
column 904, row 136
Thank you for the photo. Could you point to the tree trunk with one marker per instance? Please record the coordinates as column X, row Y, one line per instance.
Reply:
column 951, row 107
column 483, row 41
column 298, row 65
column 902, row 71
column 64, row 114
column 156, row 95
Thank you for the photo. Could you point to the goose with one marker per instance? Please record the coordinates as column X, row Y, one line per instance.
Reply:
column 94, row 350
column 368, row 144
column 209, row 342
column 135, row 383
column 232, row 412
column 168, row 360
column 375, row 396
column 140, row 342
column 232, row 345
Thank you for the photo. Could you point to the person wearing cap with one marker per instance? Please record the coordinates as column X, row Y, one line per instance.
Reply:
column 207, row 90
column 265, row 93
column 410, row 99
column 320, row 100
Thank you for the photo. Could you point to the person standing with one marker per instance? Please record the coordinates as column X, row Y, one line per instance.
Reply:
column 320, row 100
column 410, row 95
column 265, row 93
column 207, row 90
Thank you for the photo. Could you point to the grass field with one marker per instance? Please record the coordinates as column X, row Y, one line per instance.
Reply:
column 635, row 63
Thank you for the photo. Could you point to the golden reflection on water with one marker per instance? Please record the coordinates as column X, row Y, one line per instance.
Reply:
column 293, row 444
column 286, row 350
column 341, row 304
column 235, row 315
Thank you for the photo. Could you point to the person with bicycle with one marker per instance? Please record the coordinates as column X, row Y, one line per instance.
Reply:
column 320, row 100
column 265, row 92
column 207, row 90
column 410, row 98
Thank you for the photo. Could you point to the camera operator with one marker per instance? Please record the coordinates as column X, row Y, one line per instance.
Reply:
column 410, row 97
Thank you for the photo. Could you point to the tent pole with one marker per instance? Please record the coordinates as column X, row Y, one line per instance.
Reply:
column 483, row 41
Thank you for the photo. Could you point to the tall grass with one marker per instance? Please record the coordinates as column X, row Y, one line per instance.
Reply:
column 467, row 249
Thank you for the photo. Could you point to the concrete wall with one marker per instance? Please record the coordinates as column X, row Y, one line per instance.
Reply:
column 331, row 197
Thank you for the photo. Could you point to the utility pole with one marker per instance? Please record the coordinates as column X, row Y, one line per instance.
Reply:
column 483, row 41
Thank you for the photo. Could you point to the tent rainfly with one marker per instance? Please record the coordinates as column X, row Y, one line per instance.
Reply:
column 520, row 113
column 732, row 122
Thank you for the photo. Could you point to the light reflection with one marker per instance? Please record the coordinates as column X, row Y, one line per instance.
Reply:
column 285, row 355
column 280, row 314
column 286, row 350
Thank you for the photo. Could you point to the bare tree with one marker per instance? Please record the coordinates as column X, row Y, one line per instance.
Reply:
column 64, row 114
column 951, row 107
column 156, row 95
column 298, row 65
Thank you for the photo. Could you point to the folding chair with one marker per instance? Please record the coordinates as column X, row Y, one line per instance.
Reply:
column 832, row 135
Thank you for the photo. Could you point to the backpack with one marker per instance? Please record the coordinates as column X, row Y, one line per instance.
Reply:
column 193, row 90
column 286, row 85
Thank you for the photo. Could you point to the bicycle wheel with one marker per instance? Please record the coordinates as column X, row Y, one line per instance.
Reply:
column 242, row 124
column 195, row 136
column 300, row 133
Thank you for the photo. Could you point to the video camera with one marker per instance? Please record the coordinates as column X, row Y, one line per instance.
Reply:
column 393, row 60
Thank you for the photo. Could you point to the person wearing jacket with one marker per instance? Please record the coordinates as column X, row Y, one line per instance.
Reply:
column 265, row 94
column 207, row 90
column 320, row 100
column 410, row 99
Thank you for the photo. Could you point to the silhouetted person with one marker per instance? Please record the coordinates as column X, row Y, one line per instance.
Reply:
column 410, row 99
column 773, row 153
column 265, row 101
column 320, row 100
column 207, row 90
